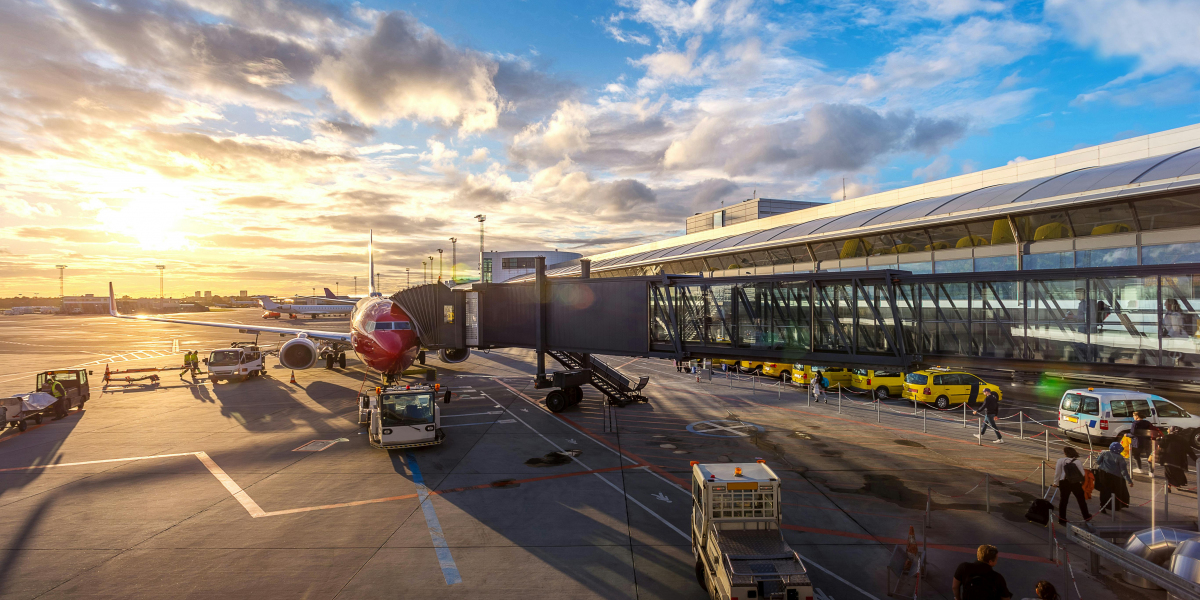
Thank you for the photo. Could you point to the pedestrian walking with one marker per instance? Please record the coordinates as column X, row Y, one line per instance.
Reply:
column 1068, row 477
column 1112, row 477
column 187, row 363
column 1176, row 449
column 991, row 408
column 819, row 385
column 979, row 580
column 1044, row 590
column 1141, row 445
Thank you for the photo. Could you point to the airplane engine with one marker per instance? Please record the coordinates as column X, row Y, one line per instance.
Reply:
column 300, row 353
column 455, row 355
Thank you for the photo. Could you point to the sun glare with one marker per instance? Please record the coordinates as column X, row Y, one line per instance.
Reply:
column 150, row 221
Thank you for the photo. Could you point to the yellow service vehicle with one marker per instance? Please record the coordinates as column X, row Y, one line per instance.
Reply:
column 881, row 384
column 780, row 370
column 736, row 537
column 805, row 374
column 750, row 366
column 945, row 387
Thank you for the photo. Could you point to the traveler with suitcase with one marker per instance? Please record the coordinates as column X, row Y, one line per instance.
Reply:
column 1112, row 477
column 979, row 580
column 1069, row 478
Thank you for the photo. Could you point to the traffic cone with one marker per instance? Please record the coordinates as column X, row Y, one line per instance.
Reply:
column 294, row 381
column 107, row 375
column 912, row 542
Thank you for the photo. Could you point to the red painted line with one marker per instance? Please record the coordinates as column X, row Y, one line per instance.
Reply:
column 891, row 540
column 682, row 483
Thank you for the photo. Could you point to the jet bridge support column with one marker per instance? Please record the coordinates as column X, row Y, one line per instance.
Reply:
column 541, row 287
column 585, row 272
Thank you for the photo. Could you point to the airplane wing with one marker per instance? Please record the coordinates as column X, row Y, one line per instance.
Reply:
column 331, row 336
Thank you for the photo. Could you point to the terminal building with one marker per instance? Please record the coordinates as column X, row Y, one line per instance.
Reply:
column 499, row 267
column 1086, row 257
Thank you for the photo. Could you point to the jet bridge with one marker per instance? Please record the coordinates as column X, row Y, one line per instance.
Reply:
column 1138, row 322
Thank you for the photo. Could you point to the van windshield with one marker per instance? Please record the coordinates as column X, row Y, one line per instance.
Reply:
column 224, row 358
column 406, row 409
column 916, row 378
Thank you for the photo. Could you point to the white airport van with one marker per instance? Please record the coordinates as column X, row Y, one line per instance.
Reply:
column 1107, row 414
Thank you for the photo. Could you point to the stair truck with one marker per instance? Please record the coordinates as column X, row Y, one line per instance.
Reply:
column 403, row 416
column 736, row 537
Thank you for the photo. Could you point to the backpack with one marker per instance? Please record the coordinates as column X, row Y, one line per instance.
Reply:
column 1072, row 474
column 981, row 586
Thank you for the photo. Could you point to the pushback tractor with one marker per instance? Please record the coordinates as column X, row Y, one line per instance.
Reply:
column 736, row 537
column 403, row 416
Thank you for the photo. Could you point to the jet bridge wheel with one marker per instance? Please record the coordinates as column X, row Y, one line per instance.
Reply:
column 557, row 401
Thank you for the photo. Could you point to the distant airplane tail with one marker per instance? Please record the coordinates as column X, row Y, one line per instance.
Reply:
column 329, row 294
column 371, row 264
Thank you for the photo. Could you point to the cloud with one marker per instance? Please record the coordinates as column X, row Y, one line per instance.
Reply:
column 1160, row 34
column 478, row 155
column 72, row 234
column 369, row 199
column 260, row 203
column 934, row 170
column 348, row 131
column 258, row 242
column 191, row 154
column 405, row 70
column 829, row 137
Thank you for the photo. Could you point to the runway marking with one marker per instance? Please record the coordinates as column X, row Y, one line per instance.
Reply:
column 445, row 560
column 483, row 423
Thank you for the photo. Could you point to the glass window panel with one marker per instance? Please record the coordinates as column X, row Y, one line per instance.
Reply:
column 996, row 263
column 1051, row 260
column 1050, row 226
column 917, row 268
column 761, row 259
column 1167, row 410
column 1165, row 213
column 996, row 318
column 1055, row 331
column 910, row 241
column 1109, row 257
column 1102, row 220
column 948, row 236
column 880, row 244
column 779, row 256
column 983, row 233
column 962, row 265
column 852, row 248
column 1180, row 316
column 800, row 253
column 1171, row 254
column 1122, row 320
column 826, row 250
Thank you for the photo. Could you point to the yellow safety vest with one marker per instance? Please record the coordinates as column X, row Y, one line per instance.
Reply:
column 56, row 389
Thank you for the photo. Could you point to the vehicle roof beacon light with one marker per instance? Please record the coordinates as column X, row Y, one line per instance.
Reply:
column 737, row 471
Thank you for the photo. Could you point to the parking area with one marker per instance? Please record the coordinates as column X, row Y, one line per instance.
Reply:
column 195, row 489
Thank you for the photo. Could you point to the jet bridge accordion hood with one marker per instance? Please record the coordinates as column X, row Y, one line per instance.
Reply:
column 437, row 314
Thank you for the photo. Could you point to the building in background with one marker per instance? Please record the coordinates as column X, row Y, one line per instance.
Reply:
column 747, row 210
column 242, row 294
column 499, row 267
column 86, row 304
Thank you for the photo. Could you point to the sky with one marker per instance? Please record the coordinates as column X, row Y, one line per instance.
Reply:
column 251, row 145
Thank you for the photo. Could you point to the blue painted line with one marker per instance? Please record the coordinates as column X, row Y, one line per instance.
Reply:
column 449, row 569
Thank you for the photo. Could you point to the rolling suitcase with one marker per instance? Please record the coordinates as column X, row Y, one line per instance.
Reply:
column 1039, row 510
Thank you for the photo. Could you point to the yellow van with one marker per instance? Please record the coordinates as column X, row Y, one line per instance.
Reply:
column 881, row 384
column 749, row 366
column 945, row 388
column 805, row 374
column 781, row 370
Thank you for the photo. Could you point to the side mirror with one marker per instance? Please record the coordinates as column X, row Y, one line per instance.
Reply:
column 446, row 398
column 89, row 372
column 206, row 361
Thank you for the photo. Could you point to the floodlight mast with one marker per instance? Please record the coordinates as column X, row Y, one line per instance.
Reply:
column 160, row 281
column 60, row 283
column 454, row 260
column 481, row 218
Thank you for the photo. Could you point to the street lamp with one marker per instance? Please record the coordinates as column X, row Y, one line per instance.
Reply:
column 454, row 260
column 356, row 285
column 481, row 218
column 439, row 265
column 60, row 283
column 430, row 278
column 160, row 280
column 407, row 278
column 424, row 277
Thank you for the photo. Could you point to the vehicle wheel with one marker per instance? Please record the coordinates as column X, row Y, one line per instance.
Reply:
column 881, row 393
column 439, row 435
column 1195, row 434
column 785, row 377
column 22, row 425
column 942, row 402
column 329, row 361
column 342, row 360
column 574, row 394
column 556, row 401
column 37, row 418
column 700, row 574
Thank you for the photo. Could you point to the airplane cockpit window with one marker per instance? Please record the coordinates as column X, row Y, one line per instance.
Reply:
column 410, row 409
column 224, row 358
column 393, row 326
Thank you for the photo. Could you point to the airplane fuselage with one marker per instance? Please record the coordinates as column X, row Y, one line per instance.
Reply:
column 383, row 336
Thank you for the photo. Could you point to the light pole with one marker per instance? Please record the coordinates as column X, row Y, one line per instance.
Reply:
column 424, row 277
column 430, row 278
column 356, row 285
column 337, row 289
column 454, row 260
column 407, row 278
column 313, row 300
column 439, row 265
column 481, row 218
column 160, row 280
column 60, row 283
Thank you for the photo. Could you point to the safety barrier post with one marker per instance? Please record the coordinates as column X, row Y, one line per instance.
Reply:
column 987, row 492
column 1047, row 432
column 1021, row 418
column 877, row 403
column 1166, row 503
column 928, row 505
column 979, row 438
column 809, row 394
column 964, row 415
column 925, row 422
column 1153, row 498
column 1043, row 479
column 839, row 398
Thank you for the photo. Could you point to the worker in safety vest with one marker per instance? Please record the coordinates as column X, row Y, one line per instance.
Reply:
column 58, row 391
column 187, row 363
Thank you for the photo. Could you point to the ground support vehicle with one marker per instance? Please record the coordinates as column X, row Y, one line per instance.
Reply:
column 945, row 388
column 1106, row 414
column 736, row 537
column 403, row 416
column 240, row 361
column 880, row 384
column 781, row 370
column 36, row 405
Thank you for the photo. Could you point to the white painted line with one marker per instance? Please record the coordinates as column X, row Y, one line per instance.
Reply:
column 238, row 493
column 809, row 561
column 445, row 560
column 492, row 412
column 484, row 423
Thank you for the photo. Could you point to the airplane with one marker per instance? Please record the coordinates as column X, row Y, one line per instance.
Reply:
column 273, row 309
column 381, row 334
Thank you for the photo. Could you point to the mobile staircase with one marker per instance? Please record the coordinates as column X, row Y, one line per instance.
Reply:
column 617, row 387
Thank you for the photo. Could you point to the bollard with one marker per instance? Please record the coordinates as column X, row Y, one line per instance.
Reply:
column 839, row 398
column 810, row 395
column 925, row 422
column 1050, row 538
column 1021, row 418
column 1043, row 479
column 1166, row 503
column 979, row 439
column 964, row 415
column 987, row 493
column 1153, row 499
column 1047, row 432
column 877, row 403
column 928, row 505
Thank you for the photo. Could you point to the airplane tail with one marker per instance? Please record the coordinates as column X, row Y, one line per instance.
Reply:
column 371, row 264
column 268, row 304
column 112, row 302
column 329, row 294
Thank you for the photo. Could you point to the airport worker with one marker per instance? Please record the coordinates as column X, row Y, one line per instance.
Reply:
column 979, row 580
column 1069, row 478
column 1112, row 477
column 991, row 408
column 1141, row 445
column 58, row 391
column 1044, row 590
column 1176, row 450
column 195, row 361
